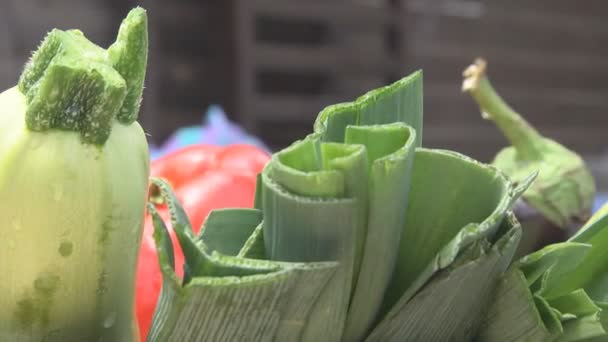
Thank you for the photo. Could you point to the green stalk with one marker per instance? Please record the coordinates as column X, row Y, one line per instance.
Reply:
column 526, row 140
column 564, row 189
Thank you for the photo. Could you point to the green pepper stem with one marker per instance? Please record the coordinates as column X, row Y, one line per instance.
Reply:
column 515, row 128
column 129, row 56
column 74, row 85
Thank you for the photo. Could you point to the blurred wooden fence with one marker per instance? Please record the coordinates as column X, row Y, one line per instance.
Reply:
column 296, row 57
column 274, row 64
column 549, row 59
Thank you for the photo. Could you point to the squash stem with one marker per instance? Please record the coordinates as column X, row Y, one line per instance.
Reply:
column 525, row 139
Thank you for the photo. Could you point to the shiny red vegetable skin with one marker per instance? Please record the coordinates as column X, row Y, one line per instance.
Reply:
column 204, row 177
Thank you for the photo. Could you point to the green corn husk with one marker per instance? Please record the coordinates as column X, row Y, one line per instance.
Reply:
column 559, row 293
column 409, row 228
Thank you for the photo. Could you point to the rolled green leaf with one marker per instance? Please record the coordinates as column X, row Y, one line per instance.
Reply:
column 359, row 152
column 397, row 102
column 357, row 227
column 298, row 228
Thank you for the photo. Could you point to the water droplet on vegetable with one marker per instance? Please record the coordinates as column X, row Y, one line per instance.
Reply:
column 65, row 248
column 16, row 225
column 110, row 320
column 46, row 283
column 57, row 192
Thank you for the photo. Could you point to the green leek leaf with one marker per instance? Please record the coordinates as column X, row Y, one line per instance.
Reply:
column 568, row 282
column 227, row 230
column 225, row 297
column 332, row 196
column 449, row 306
column 360, row 231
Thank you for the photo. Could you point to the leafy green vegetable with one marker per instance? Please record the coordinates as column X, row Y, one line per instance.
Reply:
column 74, row 175
column 404, row 227
column 569, row 287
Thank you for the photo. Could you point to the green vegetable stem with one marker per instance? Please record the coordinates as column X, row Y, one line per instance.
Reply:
column 564, row 189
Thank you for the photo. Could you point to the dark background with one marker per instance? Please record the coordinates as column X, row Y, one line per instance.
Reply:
column 274, row 64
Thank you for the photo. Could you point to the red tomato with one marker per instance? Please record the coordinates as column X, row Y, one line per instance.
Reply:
column 204, row 178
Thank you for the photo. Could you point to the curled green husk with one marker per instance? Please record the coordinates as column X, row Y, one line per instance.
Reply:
column 564, row 189
column 74, row 179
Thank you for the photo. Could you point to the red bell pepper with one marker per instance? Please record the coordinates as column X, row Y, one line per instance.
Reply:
column 204, row 177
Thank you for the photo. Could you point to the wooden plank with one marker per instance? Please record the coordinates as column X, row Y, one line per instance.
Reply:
column 7, row 33
column 192, row 83
column 279, row 135
column 193, row 33
column 337, row 12
column 510, row 30
column 531, row 58
column 441, row 68
column 225, row 55
column 558, row 97
column 9, row 72
column 35, row 19
column 486, row 131
column 505, row 15
column 301, row 58
column 151, row 117
column 284, row 109
column 590, row 8
column 187, row 13
column 442, row 107
column 483, row 140
column 351, row 86
column 442, row 110
column 331, row 59
column 243, row 38
column 281, row 30
column 174, row 118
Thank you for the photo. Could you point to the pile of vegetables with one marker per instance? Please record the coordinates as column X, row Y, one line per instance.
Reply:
column 356, row 233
